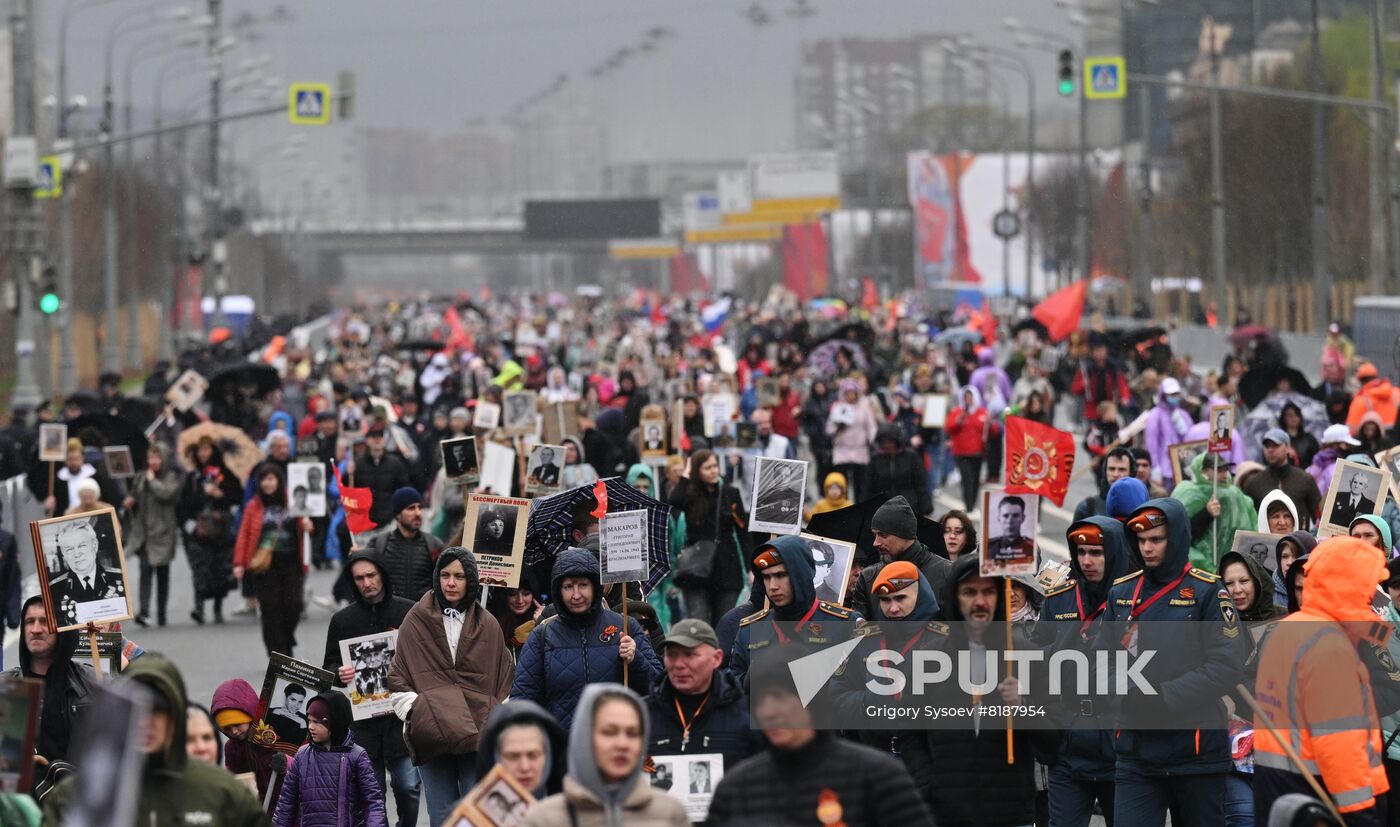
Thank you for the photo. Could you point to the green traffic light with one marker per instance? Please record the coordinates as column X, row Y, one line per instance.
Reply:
column 48, row 303
column 1066, row 87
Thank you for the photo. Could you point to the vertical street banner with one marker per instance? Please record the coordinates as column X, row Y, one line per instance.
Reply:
column 940, row 229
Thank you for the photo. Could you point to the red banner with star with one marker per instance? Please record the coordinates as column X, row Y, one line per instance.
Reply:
column 1039, row 459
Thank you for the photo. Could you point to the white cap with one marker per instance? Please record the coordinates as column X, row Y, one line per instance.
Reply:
column 1170, row 386
column 1338, row 433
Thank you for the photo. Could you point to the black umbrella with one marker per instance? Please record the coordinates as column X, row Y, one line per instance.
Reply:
column 548, row 529
column 420, row 344
column 857, row 332
column 115, row 430
column 1259, row 382
column 250, row 379
column 1034, row 324
column 852, row 525
column 139, row 410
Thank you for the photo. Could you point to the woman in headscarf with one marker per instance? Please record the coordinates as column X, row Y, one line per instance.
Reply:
column 1217, row 509
column 1374, row 530
column 528, row 744
column 556, row 388
column 1295, row 546
column 851, row 425
column 605, row 786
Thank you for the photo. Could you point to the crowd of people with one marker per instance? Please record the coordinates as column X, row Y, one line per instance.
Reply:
column 579, row 691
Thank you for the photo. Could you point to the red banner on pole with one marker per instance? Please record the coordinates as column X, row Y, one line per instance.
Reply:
column 1039, row 459
column 357, row 503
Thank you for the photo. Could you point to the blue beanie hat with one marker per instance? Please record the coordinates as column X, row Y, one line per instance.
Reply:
column 1124, row 497
column 404, row 497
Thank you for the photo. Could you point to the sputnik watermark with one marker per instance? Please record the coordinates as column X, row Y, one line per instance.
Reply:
column 1091, row 676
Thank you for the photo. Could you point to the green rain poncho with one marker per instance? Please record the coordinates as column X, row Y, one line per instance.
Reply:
column 1236, row 514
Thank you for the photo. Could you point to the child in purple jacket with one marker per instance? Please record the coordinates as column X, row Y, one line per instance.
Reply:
column 331, row 782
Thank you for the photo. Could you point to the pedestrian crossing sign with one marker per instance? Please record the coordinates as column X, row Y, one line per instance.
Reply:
column 309, row 104
column 50, row 181
column 1107, row 78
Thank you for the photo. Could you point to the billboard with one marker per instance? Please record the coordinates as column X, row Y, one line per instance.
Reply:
column 592, row 219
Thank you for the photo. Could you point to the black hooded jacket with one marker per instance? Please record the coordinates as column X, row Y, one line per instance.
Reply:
column 517, row 712
column 898, row 473
column 67, row 690
column 1078, row 600
column 381, row 737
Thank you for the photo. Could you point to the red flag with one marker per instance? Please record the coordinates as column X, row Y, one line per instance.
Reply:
column 600, row 493
column 1062, row 310
column 357, row 503
column 1039, row 459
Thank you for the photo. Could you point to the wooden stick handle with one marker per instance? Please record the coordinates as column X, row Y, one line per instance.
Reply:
column 1010, row 735
column 626, row 666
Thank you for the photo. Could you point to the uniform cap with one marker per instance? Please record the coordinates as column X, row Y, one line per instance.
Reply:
column 901, row 574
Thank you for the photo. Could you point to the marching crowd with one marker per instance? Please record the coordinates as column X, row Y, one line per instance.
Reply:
column 1284, row 712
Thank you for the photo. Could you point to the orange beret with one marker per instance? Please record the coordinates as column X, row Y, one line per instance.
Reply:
column 1086, row 535
column 768, row 559
column 1147, row 518
column 898, row 575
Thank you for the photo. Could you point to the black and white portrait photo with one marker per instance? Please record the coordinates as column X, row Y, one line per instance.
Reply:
column 487, row 416
column 833, row 560
column 496, row 801
column 84, row 571
column 53, row 442
column 1390, row 461
column 288, row 687
column 690, row 779
column 544, row 474
column 370, row 655
column 1356, row 490
column 187, row 391
column 308, row 496
column 701, row 778
column 654, row 438
column 519, row 414
column 1008, row 533
column 459, row 461
column 495, row 530
column 1258, row 547
column 778, row 489
column 118, row 461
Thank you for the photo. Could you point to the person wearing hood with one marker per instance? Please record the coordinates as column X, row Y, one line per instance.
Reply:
column 1276, row 514
column 1182, row 769
column 431, row 379
column 267, row 527
column 833, row 496
column 1288, row 550
column 330, row 780
column 528, row 744
column 375, row 609
column 1373, row 530
column 1124, row 497
column 967, row 439
column 1167, row 425
column 1390, row 723
column 851, row 424
column 68, row 684
column 1217, row 509
column 696, row 706
column 896, row 469
column 785, row 568
column 1375, row 396
column 1082, row 771
column 250, row 741
column 605, row 786
column 1337, row 442
column 964, row 774
column 451, row 668
column 1280, row 474
column 173, row 789
column 643, row 478
column 517, row 610
column 895, row 529
column 584, row 643
column 1328, row 710
column 630, row 399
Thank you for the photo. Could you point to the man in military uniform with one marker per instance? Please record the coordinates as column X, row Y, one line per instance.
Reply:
column 1183, row 768
column 785, row 568
column 84, row 581
column 1010, row 545
column 824, row 557
column 1082, row 772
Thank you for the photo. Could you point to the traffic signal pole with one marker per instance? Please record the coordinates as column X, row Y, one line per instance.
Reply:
column 23, row 216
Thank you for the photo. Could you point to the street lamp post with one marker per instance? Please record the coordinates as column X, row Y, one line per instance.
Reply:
column 24, row 220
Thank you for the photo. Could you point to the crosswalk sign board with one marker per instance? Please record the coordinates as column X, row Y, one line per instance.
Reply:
column 1107, row 78
column 50, row 182
column 309, row 104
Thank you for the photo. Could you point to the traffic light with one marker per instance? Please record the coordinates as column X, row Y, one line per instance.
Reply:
column 48, row 295
column 1067, row 83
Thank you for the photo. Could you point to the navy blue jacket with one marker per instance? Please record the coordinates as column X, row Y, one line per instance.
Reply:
column 1190, row 673
column 722, row 725
column 567, row 652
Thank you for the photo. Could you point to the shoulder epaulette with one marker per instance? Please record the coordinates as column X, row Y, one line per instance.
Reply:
column 1062, row 588
column 939, row 628
column 1204, row 576
column 755, row 616
column 866, row 630
column 1125, row 578
column 835, row 609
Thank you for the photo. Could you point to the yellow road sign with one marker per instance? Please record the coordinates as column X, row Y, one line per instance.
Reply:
column 643, row 249
column 309, row 104
column 736, row 235
column 50, row 184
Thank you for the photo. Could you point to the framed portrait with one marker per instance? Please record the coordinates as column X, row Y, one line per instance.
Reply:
column 544, row 473
column 19, row 727
column 1356, row 490
column 1259, row 546
column 496, row 801
column 1222, row 423
column 371, row 656
column 518, row 416
column 498, row 469
column 82, row 569
column 718, row 410
column 745, row 435
column 1182, row 454
column 109, row 652
column 487, row 416
column 288, row 687
column 935, row 406
column 1009, row 525
column 118, row 461
column 306, row 486
column 187, row 391
column 1390, row 461
column 691, row 779
column 834, row 560
column 558, row 421
column 496, row 526
column 651, row 436
column 459, row 461
column 778, row 490
column 769, row 391
column 53, row 442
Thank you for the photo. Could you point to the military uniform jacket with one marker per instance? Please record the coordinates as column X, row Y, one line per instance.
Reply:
column 828, row 623
column 68, row 591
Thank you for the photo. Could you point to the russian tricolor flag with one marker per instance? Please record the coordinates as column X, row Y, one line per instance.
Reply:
column 714, row 315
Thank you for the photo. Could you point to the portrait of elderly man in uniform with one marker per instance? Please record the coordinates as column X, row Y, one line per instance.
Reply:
column 81, row 587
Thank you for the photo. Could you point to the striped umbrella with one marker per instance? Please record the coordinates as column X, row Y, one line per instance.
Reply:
column 551, row 522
